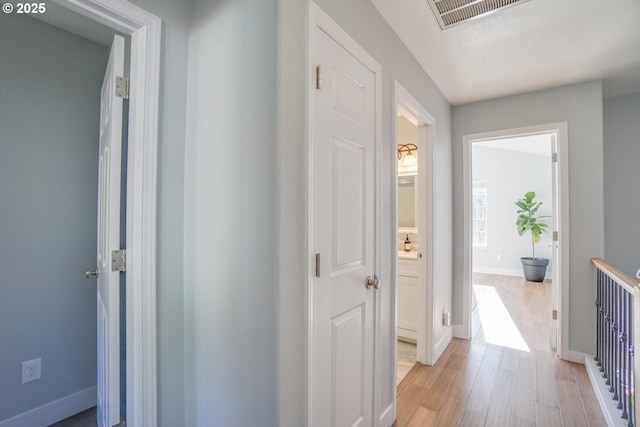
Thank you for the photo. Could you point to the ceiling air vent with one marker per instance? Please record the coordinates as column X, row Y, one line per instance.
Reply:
column 454, row 12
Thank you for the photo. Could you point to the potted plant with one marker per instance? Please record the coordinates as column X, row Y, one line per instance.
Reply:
column 534, row 268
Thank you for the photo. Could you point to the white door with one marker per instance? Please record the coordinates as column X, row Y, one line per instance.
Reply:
column 108, row 413
column 343, row 234
column 555, row 268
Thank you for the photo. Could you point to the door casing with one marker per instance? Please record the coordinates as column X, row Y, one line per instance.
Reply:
column 426, row 351
column 560, row 129
column 144, row 29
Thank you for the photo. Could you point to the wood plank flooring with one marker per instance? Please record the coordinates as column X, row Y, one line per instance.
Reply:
column 83, row 419
column 495, row 380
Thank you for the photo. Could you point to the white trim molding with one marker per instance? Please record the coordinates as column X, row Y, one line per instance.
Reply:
column 408, row 107
column 52, row 412
column 603, row 396
column 443, row 342
column 144, row 29
column 561, row 131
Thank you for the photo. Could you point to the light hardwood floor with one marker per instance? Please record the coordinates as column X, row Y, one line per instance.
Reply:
column 498, row 380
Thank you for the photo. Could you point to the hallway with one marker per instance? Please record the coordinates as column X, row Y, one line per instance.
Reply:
column 497, row 379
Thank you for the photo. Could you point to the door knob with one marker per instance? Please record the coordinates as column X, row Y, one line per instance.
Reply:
column 91, row 272
column 373, row 282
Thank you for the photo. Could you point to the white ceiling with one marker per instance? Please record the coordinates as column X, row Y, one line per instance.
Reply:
column 535, row 45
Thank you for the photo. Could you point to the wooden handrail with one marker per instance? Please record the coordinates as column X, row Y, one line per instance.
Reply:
column 621, row 278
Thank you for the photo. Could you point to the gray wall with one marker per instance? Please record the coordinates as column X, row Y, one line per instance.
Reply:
column 49, row 119
column 621, row 182
column 230, row 212
column 292, row 188
column 362, row 21
column 509, row 175
column 580, row 106
column 175, row 16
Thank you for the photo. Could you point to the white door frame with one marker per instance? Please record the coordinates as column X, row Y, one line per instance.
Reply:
column 405, row 102
column 561, row 131
column 145, row 32
column 318, row 18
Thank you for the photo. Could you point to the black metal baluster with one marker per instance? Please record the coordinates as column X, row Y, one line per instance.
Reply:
column 604, row 327
column 598, row 317
column 615, row 352
column 612, row 335
column 617, row 327
column 624, row 377
column 607, row 325
column 614, row 342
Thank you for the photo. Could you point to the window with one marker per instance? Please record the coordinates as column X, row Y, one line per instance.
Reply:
column 479, row 213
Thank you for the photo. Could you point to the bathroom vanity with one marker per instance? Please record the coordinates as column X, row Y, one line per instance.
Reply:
column 407, row 303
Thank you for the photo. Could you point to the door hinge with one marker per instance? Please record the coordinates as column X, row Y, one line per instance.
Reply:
column 554, row 314
column 319, row 77
column 122, row 87
column 554, row 157
column 317, row 265
column 119, row 260
column 555, row 236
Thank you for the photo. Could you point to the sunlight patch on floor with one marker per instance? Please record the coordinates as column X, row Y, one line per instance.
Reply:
column 497, row 324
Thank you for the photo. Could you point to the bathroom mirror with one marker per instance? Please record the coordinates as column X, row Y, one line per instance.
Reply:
column 406, row 201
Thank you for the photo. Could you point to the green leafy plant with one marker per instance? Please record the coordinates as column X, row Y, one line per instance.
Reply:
column 528, row 221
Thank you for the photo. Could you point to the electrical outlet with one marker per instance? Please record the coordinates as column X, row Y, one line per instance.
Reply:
column 446, row 318
column 498, row 257
column 31, row 370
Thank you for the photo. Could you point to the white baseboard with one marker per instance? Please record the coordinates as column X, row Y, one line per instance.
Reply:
column 574, row 356
column 460, row 331
column 442, row 344
column 507, row 272
column 609, row 411
column 55, row 411
column 409, row 335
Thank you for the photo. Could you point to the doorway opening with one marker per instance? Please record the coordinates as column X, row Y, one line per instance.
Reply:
column 500, row 169
column 144, row 30
column 503, row 171
column 413, row 230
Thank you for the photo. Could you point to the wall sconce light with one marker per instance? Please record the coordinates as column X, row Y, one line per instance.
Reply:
column 409, row 159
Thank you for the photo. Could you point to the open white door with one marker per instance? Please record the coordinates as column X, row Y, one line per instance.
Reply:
column 555, row 268
column 108, row 413
column 343, row 236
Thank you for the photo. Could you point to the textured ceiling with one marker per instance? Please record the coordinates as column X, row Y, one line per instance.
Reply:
column 536, row 45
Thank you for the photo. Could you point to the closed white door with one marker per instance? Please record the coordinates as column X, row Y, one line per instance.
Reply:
column 343, row 236
column 108, row 412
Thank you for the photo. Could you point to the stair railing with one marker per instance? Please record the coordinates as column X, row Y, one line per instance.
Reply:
column 616, row 311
